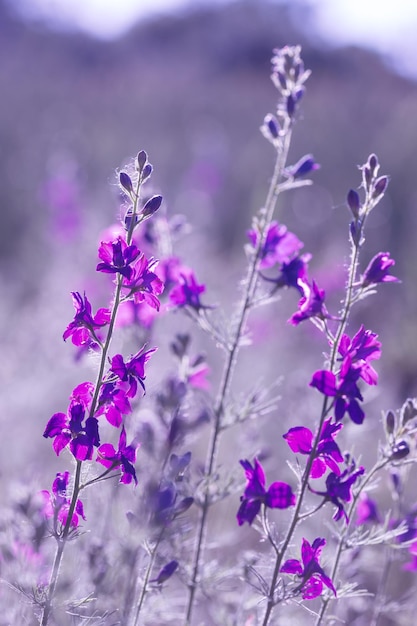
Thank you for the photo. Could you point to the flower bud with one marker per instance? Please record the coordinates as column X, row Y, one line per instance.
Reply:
column 400, row 451
column 141, row 160
column 151, row 206
column 125, row 182
column 390, row 422
column 354, row 202
column 408, row 411
column 380, row 186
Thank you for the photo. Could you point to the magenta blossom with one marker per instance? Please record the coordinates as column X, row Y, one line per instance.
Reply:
column 328, row 455
column 278, row 495
column 187, row 292
column 309, row 570
column 117, row 257
column 143, row 285
column 70, row 429
column 358, row 352
column 82, row 328
column 310, row 305
column 377, row 270
column 338, row 490
column 122, row 458
column 280, row 245
column 367, row 511
column 133, row 371
column 57, row 504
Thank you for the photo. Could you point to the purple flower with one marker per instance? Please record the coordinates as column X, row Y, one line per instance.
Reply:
column 117, row 257
column 280, row 245
column 357, row 353
column 310, row 305
column 328, row 454
column 83, row 327
column 69, row 429
column 113, row 404
column 143, row 284
column 133, row 371
column 57, row 504
column 366, row 511
column 278, row 496
column 346, row 393
column 122, row 458
column 309, row 570
column 338, row 490
column 187, row 292
column 377, row 270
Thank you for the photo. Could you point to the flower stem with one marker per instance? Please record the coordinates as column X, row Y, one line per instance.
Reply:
column 63, row 537
column 229, row 366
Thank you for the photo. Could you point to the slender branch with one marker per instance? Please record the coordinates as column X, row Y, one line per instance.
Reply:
column 219, row 410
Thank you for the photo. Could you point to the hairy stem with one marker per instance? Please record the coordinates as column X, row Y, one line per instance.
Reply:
column 229, row 366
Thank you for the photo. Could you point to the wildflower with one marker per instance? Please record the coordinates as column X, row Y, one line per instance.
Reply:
column 367, row 511
column 309, row 570
column 123, row 458
column 310, row 305
column 280, row 245
column 113, row 403
column 345, row 391
column 82, row 328
column 338, row 489
column 377, row 270
column 328, row 455
column 187, row 292
column 57, row 504
column 278, row 496
column 143, row 284
column 117, row 257
column 69, row 429
column 358, row 352
column 133, row 371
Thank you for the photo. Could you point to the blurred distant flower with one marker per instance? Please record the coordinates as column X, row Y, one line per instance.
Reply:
column 57, row 504
column 377, row 270
column 187, row 292
column 309, row 570
column 278, row 496
column 280, row 245
column 82, row 328
column 117, row 257
column 165, row 573
column 122, row 458
column 367, row 511
column 328, row 455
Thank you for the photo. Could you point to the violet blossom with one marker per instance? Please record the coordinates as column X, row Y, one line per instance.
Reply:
column 280, row 245
column 122, row 458
column 117, row 257
column 133, row 370
column 328, row 455
column 378, row 270
column 310, row 305
column 338, row 490
column 82, row 328
column 278, row 496
column 57, row 504
column 309, row 570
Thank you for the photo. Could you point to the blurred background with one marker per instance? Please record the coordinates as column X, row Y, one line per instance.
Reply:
column 85, row 84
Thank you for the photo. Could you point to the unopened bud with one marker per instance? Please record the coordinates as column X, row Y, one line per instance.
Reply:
column 125, row 182
column 400, row 451
column 354, row 202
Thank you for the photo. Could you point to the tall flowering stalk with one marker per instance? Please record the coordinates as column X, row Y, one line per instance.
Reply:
column 115, row 385
column 288, row 76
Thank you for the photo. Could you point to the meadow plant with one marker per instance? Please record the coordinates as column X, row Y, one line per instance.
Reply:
column 169, row 563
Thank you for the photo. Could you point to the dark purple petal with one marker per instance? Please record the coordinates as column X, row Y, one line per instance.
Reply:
column 279, row 496
column 325, row 382
column 299, row 439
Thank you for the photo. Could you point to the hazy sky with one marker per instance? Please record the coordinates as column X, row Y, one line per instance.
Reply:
column 388, row 26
